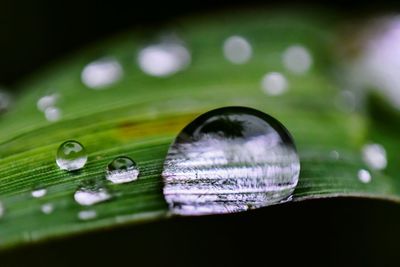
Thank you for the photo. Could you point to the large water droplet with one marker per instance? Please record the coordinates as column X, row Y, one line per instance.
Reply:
column 71, row 156
column 90, row 193
column 237, row 50
column 274, row 83
column 163, row 59
column 297, row 59
column 102, row 73
column 374, row 155
column 122, row 170
column 229, row 160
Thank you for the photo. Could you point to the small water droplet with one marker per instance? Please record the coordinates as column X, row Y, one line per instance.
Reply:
column 52, row 114
column 122, row 170
column 2, row 210
column 374, row 155
column 274, row 83
column 230, row 159
column 87, row 215
column 163, row 59
column 334, row 155
column 47, row 208
column 102, row 73
column 237, row 50
column 38, row 193
column 71, row 156
column 364, row 176
column 47, row 101
column 297, row 59
column 91, row 192
column 5, row 100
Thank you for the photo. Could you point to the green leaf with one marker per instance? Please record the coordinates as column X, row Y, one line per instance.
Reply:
column 140, row 116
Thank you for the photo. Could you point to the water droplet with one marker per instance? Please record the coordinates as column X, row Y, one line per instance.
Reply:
column 102, row 73
column 2, row 210
column 237, row 50
column 297, row 59
column 47, row 101
column 228, row 160
column 364, row 176
column 163, row 59
column 47, row 208
column 374, row 155
column 87, row 215
column 334, row 155
column 91, row 192
column 38, row 193
column 122, row 170
column 52, row 114
column 274, row 83
column 71, row 156
column 5, row 100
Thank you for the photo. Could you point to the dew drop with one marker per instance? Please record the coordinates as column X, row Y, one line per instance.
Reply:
column 85, row 215
column 274, row 83
column 71, row 156
column 47, row 101
column 38, row 193
column 364, row 176
column 5, row 100
column 47, row 208
column 374, row 155
column 297, row 59
column 102, row 73
column 122, row 170
column 334, row 154
column 229, row 160
column 163, row 59
column 237, row 50
column 2, row 210
column 90, row 193
column 52, row 114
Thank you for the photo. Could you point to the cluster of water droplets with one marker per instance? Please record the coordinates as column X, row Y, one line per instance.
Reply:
column 48, row 105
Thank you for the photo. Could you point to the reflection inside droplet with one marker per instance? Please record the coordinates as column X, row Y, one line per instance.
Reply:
column 163, row 59
column 274, row 83
column 229, row 160
column 297, row 59
column 87, row 215
column 237, row 50
column 364, row 176
column 102, row 73
column 374, row 155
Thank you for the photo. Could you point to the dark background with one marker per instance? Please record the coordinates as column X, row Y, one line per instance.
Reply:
column 337, row 232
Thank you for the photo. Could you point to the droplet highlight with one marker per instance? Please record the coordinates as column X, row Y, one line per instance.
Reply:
column 374, row 155
column 71, row 156
column 229, row 160
column 164, row 59
column 47, row 208
column 274, row 83
column 122, row 170
column 237, row 50
column 102, row 73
